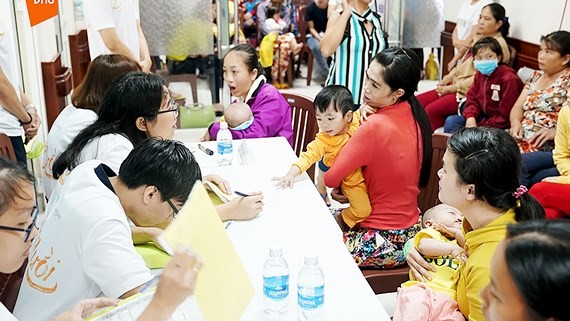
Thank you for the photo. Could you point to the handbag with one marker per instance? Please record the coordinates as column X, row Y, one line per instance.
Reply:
column 196, row 116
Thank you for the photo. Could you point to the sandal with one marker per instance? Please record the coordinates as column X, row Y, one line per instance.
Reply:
column 325, row 197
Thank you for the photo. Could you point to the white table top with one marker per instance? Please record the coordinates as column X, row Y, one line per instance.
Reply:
column 298, row 220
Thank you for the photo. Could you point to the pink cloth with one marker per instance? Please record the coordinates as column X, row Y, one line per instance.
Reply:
column 420, row 302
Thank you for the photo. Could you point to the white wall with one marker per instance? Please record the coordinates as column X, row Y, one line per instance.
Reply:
column 529, row 19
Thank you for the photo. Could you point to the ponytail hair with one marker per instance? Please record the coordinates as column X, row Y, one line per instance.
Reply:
column 489, row 158
column 402, row 71
column 249, row 56
column 135, row 95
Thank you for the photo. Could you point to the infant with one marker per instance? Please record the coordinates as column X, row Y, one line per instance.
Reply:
column 238, row 116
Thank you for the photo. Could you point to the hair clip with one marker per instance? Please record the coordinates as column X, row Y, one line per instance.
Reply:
column 520, row 191
column 477, row 153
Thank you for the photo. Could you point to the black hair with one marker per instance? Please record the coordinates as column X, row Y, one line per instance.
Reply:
column 559, row 41
column 337, row 95
column 402, row 71
column 537, row 255
column 489, row 158
column 166, row 164
column 271, row 11
column 12, row 175
column 249, row 56
column 499, row 13
column 134, row 95
column 487, row 42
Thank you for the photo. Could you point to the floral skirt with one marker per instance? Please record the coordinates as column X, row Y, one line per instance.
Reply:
column 281, row 60
column 379, row 249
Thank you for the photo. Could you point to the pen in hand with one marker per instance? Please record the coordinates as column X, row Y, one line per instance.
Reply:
column 205, row 149
column 241, row 194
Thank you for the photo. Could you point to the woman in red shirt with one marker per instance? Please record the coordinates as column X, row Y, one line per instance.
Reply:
column 393, row 147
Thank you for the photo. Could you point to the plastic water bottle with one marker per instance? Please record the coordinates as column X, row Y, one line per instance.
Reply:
column 275, row 283
column 225, row 143
column 311, row 290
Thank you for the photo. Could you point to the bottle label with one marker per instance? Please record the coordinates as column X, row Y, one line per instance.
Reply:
column 310, row 298
column 276, row 287
column 225, row 147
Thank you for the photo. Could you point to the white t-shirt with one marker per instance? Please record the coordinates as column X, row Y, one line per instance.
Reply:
column 468, row 17
column 119, row 14
column 111, row 149
column 66, row 126
column 5, row 315
column 9, row 124
column 83, row 250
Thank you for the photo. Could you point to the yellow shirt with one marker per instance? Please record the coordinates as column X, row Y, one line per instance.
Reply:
column 443, row 279
column 327, row 147
column 561, row 153
column 480, row 246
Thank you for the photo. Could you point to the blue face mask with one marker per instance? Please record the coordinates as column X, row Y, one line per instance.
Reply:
column 244, row 125
column 486, row 67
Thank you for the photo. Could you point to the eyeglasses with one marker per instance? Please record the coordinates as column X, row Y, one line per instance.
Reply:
column 173, row 108
column 174, row 209
column 30, row 228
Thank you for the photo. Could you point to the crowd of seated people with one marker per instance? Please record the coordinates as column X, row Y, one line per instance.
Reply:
column 505, row 173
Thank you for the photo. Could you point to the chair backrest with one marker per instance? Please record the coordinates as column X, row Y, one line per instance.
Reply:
column 302, row 25
column 304, row 123
column 513, row 53
column 6, row 148
column 428, row 196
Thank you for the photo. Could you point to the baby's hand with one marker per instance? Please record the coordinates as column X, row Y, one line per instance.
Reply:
column 285, row 181
column 444, row 230
column 365, row 110
column 459, row 254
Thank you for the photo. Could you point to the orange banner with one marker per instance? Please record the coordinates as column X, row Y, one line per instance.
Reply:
column 41, row 10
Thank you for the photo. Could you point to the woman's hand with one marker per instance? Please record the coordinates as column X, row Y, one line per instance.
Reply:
column 470, row 122
column 516, row 130
column 443, row 90
column 220, row 182
column 207, row 137
column 85, row 308
column 542, row 137
column 246, row 208
column 365, row 110
column 31, row 129
column 284, row 181
column 418, row 265
column 338, row 196
column 178, row 280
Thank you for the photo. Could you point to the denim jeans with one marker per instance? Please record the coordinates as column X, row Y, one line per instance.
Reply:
column 536, row 166
column 314, row 45
column 453, row 123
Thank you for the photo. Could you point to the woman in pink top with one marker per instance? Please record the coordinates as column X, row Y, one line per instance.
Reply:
column 393, row 147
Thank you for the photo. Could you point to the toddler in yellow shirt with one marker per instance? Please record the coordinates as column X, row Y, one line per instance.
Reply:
column 337, row 123
column 441, row 242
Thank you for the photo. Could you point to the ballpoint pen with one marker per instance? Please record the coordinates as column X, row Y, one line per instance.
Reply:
column 205, row 149
column 241, row 194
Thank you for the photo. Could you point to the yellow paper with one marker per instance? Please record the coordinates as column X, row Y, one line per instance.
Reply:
column 223, row 289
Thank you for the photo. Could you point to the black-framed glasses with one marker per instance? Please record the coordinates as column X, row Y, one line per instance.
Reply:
column 174, row 209
column 30, row 228
column 172, row 108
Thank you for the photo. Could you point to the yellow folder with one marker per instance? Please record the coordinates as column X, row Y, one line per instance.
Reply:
column 223, row 289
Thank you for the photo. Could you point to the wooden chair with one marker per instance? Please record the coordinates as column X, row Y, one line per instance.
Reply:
column 513, row 53
column 10, row 286
column 302, row 25
column 385, row 281
column 428, row 196
column 304, row 124
column 6, row 148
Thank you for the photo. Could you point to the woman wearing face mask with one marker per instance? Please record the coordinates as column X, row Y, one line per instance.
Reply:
column 443, row 101
column 494, row 91
column 530, row 274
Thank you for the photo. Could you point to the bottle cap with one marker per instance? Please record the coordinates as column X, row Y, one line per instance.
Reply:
column 223, row 125
column 311, row 259
column 275, row 251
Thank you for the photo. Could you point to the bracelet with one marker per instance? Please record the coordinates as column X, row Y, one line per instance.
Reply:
column 28, row 122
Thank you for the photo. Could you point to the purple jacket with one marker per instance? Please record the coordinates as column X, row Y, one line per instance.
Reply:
column 272, row 116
